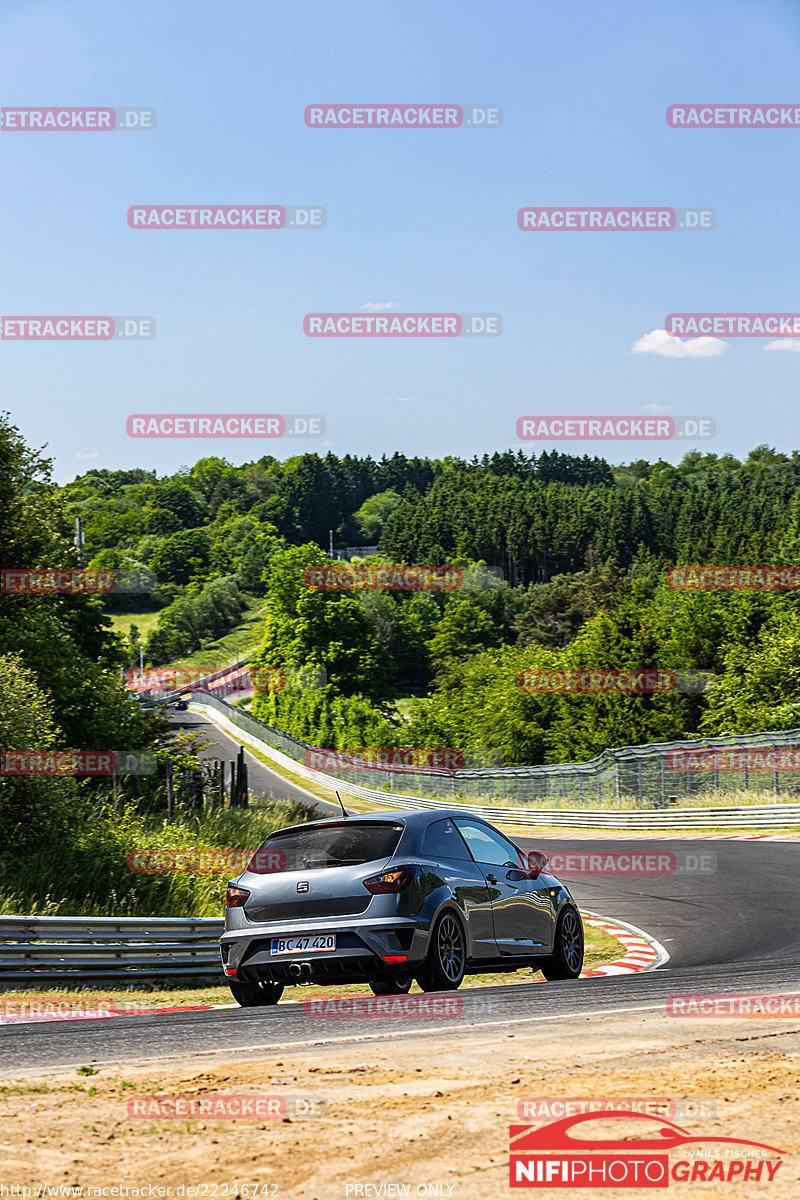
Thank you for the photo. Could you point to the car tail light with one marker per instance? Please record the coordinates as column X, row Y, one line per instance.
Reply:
column 394, row 958
column 537, row 861
column 389, row 881
column 236, row 897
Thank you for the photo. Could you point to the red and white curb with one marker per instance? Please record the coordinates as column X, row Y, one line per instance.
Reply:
column 641, row 835
column 642, row 952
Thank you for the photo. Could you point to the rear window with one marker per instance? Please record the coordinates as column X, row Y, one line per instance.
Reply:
column 335, row 845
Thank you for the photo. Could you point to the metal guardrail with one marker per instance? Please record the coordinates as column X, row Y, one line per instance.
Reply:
column 627, row 777
column 84, row 949
column 272, row 743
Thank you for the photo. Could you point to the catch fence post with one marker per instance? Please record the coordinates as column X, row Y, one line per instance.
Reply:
column 170, row 797
column 244, row 799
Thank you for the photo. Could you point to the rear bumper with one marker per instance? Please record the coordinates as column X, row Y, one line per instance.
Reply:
column 362, row 947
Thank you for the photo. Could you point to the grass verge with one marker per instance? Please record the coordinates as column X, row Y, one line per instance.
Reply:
column 236, row 644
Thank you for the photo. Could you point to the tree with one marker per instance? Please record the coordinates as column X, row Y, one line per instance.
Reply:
column 27, row 802
column 306, row 627
column 182, row 556
column 374, row 513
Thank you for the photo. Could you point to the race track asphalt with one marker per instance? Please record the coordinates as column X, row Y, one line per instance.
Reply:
column 732, row 927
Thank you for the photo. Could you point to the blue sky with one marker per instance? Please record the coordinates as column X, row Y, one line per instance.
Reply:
column 423, row 220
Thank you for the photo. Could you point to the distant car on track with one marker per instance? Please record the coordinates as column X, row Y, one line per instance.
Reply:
column 181, row 704
column 386, row 899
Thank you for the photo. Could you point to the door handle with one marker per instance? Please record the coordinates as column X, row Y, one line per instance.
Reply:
column 492, row 878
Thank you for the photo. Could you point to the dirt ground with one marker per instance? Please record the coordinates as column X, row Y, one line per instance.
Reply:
column 427, row 1116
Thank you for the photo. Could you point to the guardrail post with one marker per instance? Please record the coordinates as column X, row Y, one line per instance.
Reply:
column 221, row 783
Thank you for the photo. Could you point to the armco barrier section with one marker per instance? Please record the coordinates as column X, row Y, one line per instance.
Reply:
column 49, row 949
column 456, row 789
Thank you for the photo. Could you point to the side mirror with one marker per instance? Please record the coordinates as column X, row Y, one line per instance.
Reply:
column 537, row 861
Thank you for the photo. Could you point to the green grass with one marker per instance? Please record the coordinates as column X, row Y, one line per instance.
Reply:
column 214, row 655
column 145, row 622
column 88, row 874
column 241, row 641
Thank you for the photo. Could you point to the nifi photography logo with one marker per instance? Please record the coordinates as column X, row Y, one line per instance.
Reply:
column 572, row 1153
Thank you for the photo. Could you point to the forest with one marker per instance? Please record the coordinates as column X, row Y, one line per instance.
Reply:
column 564, row 562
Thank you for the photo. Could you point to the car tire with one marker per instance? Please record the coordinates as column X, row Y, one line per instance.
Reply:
column 391, row 987
column 566, row 961
column 254, row 995
column 447, row 956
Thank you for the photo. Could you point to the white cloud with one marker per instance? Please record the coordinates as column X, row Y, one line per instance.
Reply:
column 407, row 400
column 378, row 305
column 783, row 344
column 86, row 453
column 656, row 408
column 658, row 341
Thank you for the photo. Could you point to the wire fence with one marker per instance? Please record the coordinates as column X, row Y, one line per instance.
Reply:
column 697, row 772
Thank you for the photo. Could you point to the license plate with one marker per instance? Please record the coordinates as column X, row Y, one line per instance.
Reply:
column 313, row 944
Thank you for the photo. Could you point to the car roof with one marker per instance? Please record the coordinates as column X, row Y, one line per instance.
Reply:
column 412, row 818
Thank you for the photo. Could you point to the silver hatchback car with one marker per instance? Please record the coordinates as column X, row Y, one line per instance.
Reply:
column 387, row 899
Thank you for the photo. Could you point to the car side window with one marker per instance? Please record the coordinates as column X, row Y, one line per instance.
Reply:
column 442, row 840
column 486, row 845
